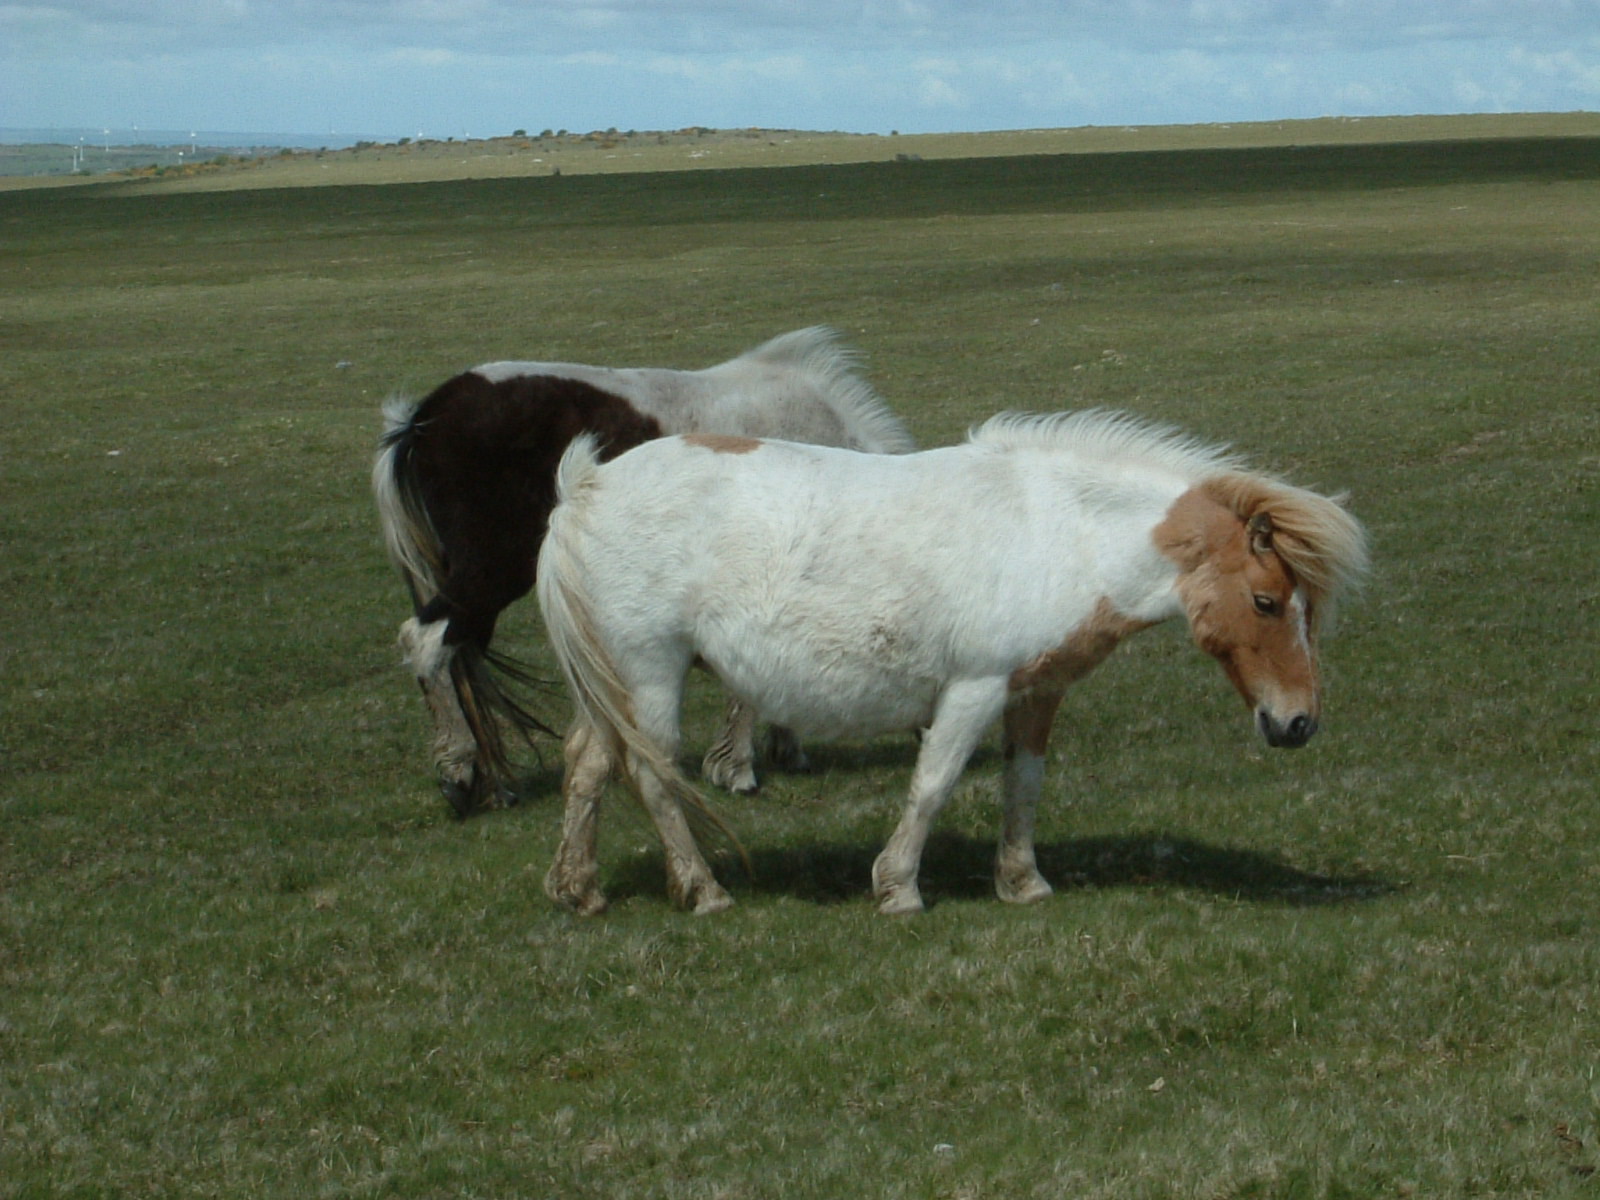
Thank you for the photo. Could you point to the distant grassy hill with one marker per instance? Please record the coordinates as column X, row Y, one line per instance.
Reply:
column 176, row 168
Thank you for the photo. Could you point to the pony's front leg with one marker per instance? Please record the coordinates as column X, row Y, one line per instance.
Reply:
column 574, row 877
column 455, row 750
column 1027, row 733
column 730, row 763
column 965, row 710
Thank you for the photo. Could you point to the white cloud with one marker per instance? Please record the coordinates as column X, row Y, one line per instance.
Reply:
column 418, row 56
column 730, row 70
column 934, row 91
column 1577, row 69
column 592, row 58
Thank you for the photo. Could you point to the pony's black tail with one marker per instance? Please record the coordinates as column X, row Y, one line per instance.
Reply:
column 487, row 682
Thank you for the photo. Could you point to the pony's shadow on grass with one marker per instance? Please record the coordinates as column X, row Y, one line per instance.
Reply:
column 888, row 753
column 537, row 784
column 956, row 867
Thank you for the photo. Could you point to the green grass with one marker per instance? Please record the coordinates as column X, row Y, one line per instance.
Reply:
column 244, row 951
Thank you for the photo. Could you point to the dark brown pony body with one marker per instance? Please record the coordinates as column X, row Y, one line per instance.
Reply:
column 480, row 458
column 474, row 468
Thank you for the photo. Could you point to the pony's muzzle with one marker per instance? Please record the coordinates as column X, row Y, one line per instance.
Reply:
column 1286, row 735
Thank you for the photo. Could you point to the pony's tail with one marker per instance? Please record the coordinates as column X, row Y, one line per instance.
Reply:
column 408, row 531
column 598, row 690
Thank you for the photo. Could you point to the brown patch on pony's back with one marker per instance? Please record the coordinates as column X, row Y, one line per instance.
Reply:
column 723, row 443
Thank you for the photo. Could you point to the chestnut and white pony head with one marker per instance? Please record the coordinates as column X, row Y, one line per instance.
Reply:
column 1261, row 563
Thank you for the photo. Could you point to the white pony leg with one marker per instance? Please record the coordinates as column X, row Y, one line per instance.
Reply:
column 455, row 752
column 730, row 763
column 574, row 877
column 1027, row 726
column 965, row 711
column 690, row 882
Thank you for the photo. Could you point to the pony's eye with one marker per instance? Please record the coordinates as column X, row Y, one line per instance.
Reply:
column 1266, row 606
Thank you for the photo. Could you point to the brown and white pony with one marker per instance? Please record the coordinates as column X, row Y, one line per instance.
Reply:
column 465, row 480
column 845, row 595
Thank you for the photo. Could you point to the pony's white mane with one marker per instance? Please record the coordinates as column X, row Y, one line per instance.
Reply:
column 1322, row 544
column 1107, row 437
column 817, row 351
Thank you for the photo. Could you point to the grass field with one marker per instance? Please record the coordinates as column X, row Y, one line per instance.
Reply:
column 244, row 950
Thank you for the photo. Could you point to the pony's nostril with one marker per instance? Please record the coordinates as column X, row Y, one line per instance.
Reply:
column 1292, row 733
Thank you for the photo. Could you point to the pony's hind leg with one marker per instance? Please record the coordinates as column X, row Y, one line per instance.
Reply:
column 730, row 763
column 690, row 883
column 1027, row 731
column 662, row 790
column 455, row 751
column 574, row 877
column 964, row 712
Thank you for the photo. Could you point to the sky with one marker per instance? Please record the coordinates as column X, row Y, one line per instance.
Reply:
column 482, row 68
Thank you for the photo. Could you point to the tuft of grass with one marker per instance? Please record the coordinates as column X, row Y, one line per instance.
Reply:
column 245, row 951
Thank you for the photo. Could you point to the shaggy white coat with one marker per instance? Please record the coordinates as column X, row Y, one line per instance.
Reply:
column 847, row 595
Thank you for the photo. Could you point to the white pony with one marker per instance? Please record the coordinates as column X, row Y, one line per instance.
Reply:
column 846, row 595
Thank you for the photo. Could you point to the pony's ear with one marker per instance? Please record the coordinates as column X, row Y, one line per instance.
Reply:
column 1259, row 527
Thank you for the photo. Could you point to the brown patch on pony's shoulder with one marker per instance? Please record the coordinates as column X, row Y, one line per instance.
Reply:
column 1195, row 525
column 722, row 443
column 1084, row 649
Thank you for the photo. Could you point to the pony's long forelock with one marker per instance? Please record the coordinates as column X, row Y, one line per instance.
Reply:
column 1317, row 538
column 818, row 351
column 1324, row 547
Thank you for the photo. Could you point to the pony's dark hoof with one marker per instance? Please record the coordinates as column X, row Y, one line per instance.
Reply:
column 466, row 799
column 461, row 797
column 501, row 797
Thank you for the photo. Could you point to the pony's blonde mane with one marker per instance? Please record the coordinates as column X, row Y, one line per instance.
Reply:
column 1317, row 539
column 1324, row 547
